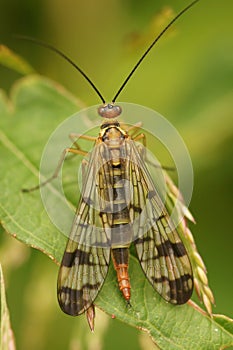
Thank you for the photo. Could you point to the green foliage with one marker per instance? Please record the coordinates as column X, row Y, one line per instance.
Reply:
column 22, row 146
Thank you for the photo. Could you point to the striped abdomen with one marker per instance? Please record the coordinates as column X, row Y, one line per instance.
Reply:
column 117, row 194
column 120, row 257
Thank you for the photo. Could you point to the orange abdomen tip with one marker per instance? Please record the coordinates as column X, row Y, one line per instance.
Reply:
column 123, row 280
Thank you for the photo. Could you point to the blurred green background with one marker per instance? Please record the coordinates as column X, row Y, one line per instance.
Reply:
column 188, row 78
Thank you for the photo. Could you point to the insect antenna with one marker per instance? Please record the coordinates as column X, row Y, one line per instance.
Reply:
column 60, row 53
column 150, row 47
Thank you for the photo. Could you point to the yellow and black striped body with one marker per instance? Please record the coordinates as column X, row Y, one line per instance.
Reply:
column 118, row 218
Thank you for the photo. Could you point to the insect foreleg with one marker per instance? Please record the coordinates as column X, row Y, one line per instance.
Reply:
column 74, row 137
column 133, row 129
column 141, row 137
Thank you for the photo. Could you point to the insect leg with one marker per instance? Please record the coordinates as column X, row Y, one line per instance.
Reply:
column 75, row 136
column 142, row 152
column 141, row 148
column 133, row 129
column 140, row 137
column 58, row 168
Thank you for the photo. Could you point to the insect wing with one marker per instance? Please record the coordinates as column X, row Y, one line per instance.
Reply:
column 160, row 251
column 86, row 259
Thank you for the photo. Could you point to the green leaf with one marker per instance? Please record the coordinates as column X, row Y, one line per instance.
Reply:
column 225, row 322
column 171, row 327
column 7, row 341
column 13, row 61
column 36, row 107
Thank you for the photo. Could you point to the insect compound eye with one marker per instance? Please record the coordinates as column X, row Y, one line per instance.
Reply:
column 109, row 111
